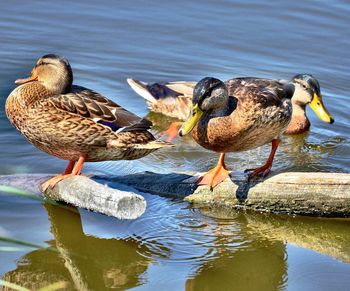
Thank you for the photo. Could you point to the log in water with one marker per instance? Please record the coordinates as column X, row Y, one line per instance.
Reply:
column 83, row 192
column 312, row 194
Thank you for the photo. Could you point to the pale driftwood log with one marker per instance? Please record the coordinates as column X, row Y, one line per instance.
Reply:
column 312, row 194
column 83, row 192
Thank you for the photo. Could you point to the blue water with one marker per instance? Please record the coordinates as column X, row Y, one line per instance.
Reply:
column 108, row 41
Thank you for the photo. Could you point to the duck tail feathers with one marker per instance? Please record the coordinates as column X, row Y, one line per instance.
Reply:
column 142, row 89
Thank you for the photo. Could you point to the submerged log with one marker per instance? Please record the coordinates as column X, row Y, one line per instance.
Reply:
column 83, row 192
column 312, row 194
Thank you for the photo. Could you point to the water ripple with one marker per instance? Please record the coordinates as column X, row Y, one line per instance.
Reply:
column 175, row 233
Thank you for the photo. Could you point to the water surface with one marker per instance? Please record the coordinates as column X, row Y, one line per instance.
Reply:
column 173, row 246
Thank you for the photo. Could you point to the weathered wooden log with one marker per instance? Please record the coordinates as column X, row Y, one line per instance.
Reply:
column 312, row 194
column 85, row 193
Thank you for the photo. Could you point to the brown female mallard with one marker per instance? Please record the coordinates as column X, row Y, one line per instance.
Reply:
column 75, row 123
column 256, row 114
column 174, row 99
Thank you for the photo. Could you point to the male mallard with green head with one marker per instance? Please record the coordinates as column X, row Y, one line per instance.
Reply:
column 174, row 99
column 75, row 123
column 254, row 115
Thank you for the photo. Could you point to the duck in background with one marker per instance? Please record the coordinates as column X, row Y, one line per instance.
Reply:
column 174, row 99
column 75, row 123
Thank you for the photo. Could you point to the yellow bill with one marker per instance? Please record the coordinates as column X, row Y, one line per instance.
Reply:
column 318, row 107
column 189, row 124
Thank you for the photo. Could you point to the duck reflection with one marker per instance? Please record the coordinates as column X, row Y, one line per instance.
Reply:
column 84, row 262
column 304, row 154
column 327, row 236
column 260, row 267
column 224, row 250
column 262, row 263
column 258, row 264
column 160, row 121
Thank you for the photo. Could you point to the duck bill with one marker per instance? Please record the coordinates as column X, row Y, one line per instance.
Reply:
column 26, row 80
column 318, row 107
column 187, row 126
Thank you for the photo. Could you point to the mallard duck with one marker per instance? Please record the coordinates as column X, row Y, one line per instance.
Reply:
column 174, row 99
column 254, row 115
column 75, row 123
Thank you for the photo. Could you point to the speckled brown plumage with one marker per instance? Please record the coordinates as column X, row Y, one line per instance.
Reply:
column 254, row 116
column 80, row 122
column 171, row 99
column 219, row 121
column 175, row 107
column 165, row 97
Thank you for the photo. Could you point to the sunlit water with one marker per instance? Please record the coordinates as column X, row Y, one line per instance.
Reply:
column 174, row 247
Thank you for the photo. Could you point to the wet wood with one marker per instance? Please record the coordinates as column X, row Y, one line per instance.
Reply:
column 312, row 194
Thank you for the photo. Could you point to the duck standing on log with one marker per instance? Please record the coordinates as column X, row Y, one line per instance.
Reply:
column 240, row 115
column 174, row 99
column 75, row 123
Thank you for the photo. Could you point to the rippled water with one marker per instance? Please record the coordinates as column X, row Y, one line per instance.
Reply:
column 172, row 246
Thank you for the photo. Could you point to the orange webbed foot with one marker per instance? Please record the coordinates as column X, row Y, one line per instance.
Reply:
column 73, row 169
column 51, row 183
column 262, row 171
column 216, row 175
column 172, row 131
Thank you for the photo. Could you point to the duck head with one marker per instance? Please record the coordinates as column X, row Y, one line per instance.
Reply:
column 208, row 94
column 53, row 72
column 307, row 91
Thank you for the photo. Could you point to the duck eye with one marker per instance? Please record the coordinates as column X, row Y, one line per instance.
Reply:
column 41, row 63
column 304, row 86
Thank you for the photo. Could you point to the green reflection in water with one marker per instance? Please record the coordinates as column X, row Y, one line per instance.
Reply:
column 247, row 252
column 261, row 264
column 84, row 262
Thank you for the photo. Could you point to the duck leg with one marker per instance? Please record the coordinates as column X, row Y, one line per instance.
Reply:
column 265, row 169
column 69, row 168
column 75, row 169
column 216, row 175
column 172, row 131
